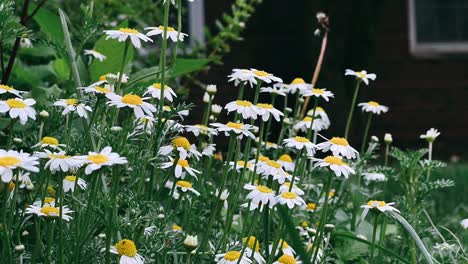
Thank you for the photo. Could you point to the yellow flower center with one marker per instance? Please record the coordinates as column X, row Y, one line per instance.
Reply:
column 243, row 103
column 261, row 73
column 183, row 163
column 374, row 203
column 54, row 156
column 270, row 144
column 339, row 141
column 304, row 224
column 181, row 142
column 334, row 160
column 264, row 189
column 126, row 247
column 241, row 163
column 13, row 103
column 8, row 161
column 307, row 119
column 184, row 184
column 103, row 78
column 132, row 99
column 234, row 125
column 158, row 86
column 70, row 178
column 263, row 158
column 51, row 191
column 319, row 109
column 318, row 91
column 289, row 195
column 50, row 211
column 286, row 158
column 331, row 194
column 273, row 164
column 266, row 106
column 232, row 255
column 311, row 206
column 301, row 139
column 128, row 30
column 102, row 89
column 168, row 28
column 251, row 241
column 49, row 200
column 6, row 87
column 50, row 141
column 283, row 243
column 98, row 158
column 11, row 186
column 71, row 101
column 201, row 126
column 287, row 259
column 373, row 103
column 176, row 227
column 298, row 81
column 361, row 75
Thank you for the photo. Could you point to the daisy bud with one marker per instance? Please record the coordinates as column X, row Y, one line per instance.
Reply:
column 388, row 138
column 25, row 233
column 102, row 235
column 216, row 109
column 147, row 180
column 317, row 32
column 288, row 110
column 116, row 129
column 44, row 114
column 206, row 98
column 301, row 100
column 212, row 118
column 329, row 227
column 30, row 187
column 19, row 248
column 211, row 89
column 374, row 139
column 160, row 216
column 17, row 140
column 191, row 242
column 287, row 121
column 242, row 24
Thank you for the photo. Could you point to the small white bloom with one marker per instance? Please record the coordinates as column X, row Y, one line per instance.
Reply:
column 323, row 93
column 200, row 129
column 290, row 199
column 70, row 181
column 300, row 143
column 128, row 252
column 138, row 104
column 374, row 176
column 44, row 114
column 336, row 164
column 50, row 211
column 155, row 91
column 238, row 129
column 286, row 162
column 379, row 205
column 72, row 105
column 339, row 147
column 171, row 33
column 191, row 241
column 182, row 166
column 232, row 257
column 362, row 75
column 211, row 88
column 316, row 123
column 9, row 89
column 95, row 54
column 245, row 108
column 123, row 33
column 12, row 159
column 49, row 142
column 373, row 107
column 183, row 147
column 276, row 89
column 26, row 43
column 430, row 135
column 97, row 160
column 19, row 108
column 216, row 109
column 260, row 196
column 298, row 85
column 59, row 161
column 388, row 138
column 267, row 110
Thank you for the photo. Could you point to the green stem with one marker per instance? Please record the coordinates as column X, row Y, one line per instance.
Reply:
column 323, row 218
column 351, row 109
column 122, row 66
column 60, row 220
column 6, row 232
column 366, row 132
column 387, row 149
column 162, row 62
column 374, row 235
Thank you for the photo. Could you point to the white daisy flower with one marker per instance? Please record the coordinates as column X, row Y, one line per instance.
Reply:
column 59, row 161
column 286, row 162
column 209, row 150
column 244, row 108
column 283, row 246
column 155, row 91
column 123, row 33
column 49, row 142
column 326, row 95
column 95, row 54
column 232, row 257
column 8, row 89
column 276, row 89
column 287, row 259
column 253, row 249
column 363, row 75
column 260, row 196
column 300, row 143
column 26, row 43
column 183, row 186
column 251, row 76
column 336, row 164
column 268, row 144
column 240, row 165
column 216, row 109
column 127, row 251
column 12, row 159
column 223, row 197
column 172, row 33
column 274, row 169
column 373, row 107
column 379, row 205
column 303, row 125
column 320, row 112
column 96, row 160
column 138, row 104
column 200, row 129
column 430, row 135
column 182, row 166
column 295, row 189
column 239, row 129
column 464, row 223
column 19, row 108
column 290, row 199
column 72, row 105
column 239, row 76
column 339, row 147
column 49, row 211
column 310, row 207
column 182, row 145
column 298, row 85
column 70, row 181
column 374, row 176
column 267, row 110
column 145, row 123
column 99, row 89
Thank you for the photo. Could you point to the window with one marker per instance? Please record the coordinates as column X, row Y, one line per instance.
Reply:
column 438, row 27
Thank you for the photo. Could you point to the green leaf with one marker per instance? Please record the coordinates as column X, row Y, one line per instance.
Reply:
column 61, row 68
column 113, row 50
column 43, row 94
column 49, row 23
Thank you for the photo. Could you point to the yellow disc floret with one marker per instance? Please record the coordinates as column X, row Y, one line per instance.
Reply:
column 181, row 142
column 12, row 103
column 232, row 255
column 334, row 160
column 9, row 161
column 132, row 99
column 98, row 158
column 126, row 247
column 128, row 30
column 339, row 141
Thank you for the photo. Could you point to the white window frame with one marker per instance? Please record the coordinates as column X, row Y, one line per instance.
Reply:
column 196, row 22
column 428, row 49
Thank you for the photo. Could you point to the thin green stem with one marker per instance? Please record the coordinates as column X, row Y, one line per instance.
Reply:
column 374, row 235
column 323, row 218
column 366, row 132
column 351, row 109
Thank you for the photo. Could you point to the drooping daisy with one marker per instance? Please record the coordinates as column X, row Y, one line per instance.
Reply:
column 19, row 108
column 379, row 205
column 339, row 147
column 267, row 110
column 320, row 112
column 373, row 107
column 8, row 89
column 95, row 54
column 238, row 129
column 362, row 75
column 242, row 107
column 138, row 104
column 171, row 33
column 155, row 91
column 295, row 189
column 49, row 142
column 183, row 146
column 128, row 252
column 317, row 92
column 208, row 150
column 12, row 159
column 183, row 186
column 287, row 259
column 182, row 166
column 300, row 143
column 253, row 249
column 96, row 160
column 286, row 162
column 123, row 33
column 268, row 144
column 283, row 246
column 303, row 125
column 275, row 89
column 240, row 165
column 70, row 181
column 291, row 199
column 72, row 105
column 298, row 85
column 49, row 211
column 260, row 195
column 430, row 135
column 59, row 161
column 200, row 129
column 374, row 176
column 232, row 257
column 274, row 169
column 336, row 164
